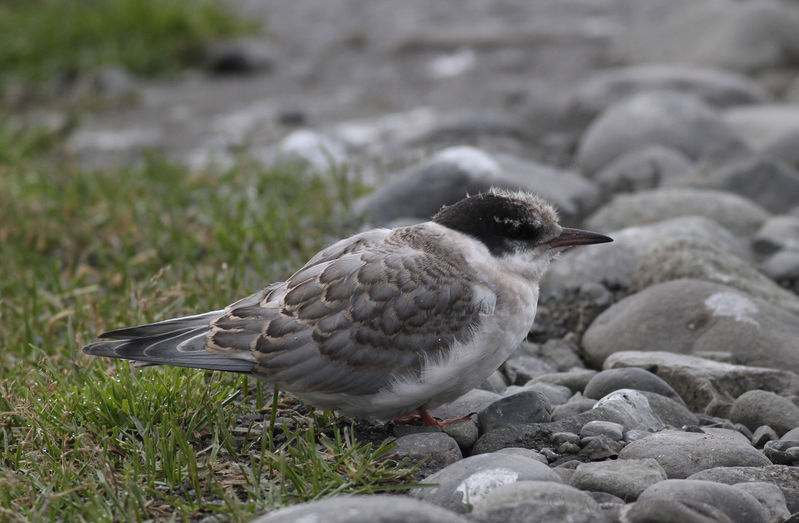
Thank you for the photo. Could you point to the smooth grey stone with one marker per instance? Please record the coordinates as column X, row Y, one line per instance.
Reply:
column 717, row 87
column 598, row 448
column 680, row 121
column 760, row 407
column 556, row 394
column 421, row 190
column 740, row 36
column 791, row 435
column 760, row 125
column 684, row 453
column 612, row 430
column 537, row 501
column 562, row 354
column 616, row 266
column 737, row 214
column 465, row 433
column 778, row 232
column 768, row 182
column 782, row 265
column 494, row 383
column 521, row 368
column 631, row 408
column 470, row 403
column 374, row 508
column 762, row 435
column 673, row 260
column 524, row 407
column 785, row 477
column 625, row 478
column 527, row 453
column 784, row 147
column 565, row 437
column 682, row 500
column 568, row 447
column 319, row 151
column 782, row 451
column 434, row 450
column 702, row 382
column 686, row 316
column 770, row 498
column 605, row 499
column 635, row 378
column 671, row 412
column 641, row 169
column 575, row 380
column 572, row 407
column 468, row 481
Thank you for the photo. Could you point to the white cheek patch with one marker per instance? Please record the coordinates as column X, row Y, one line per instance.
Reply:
column 732, row 305
column 478, row 485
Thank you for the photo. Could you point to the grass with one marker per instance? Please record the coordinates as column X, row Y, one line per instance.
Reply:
column 85, row 439
column 50, row 39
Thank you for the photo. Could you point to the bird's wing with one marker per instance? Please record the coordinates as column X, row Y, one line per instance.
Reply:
column 353, row 244
column 356, row 322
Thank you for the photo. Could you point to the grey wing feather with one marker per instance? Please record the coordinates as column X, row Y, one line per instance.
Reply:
column 355, row 322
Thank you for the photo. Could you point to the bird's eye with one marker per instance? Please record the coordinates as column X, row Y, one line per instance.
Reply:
column 514, row 232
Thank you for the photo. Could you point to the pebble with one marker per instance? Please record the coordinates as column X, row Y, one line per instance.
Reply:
column 759, row 407
column 362, row 509
column 717, row 87
column 785, row 477
column 770, row 498
column 625, row 478
column 574, row 406
column 576, row 380
column 762, row 435
column 537, row 501
column 680, row 121
column 556, row 394
column 678, row 500
column 521, row 408
column 470, row 403
column 684, row 453
column 609, row 429
column 465, row 433
column 678, row 259
column 640, row 169
column 521, row 368
column 617, row 266
column 636, row 378
column 736, row 213
column 685, row 316
column 631, row 408
column 433, row 450
column 776, row 233
column 465, row 483
column 702, row 382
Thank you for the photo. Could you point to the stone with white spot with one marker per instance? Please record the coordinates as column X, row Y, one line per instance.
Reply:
column 703, row 382
column 693, row 316
column 468, row 481
column 631, row 409
column 672, row 260
column 362, row 509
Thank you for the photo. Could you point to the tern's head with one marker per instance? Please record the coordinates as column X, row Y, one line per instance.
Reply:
column 513, row 223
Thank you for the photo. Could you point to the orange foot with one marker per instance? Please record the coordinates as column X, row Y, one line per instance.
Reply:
column 427, row 420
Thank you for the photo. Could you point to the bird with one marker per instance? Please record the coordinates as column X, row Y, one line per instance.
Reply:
column 385, row 324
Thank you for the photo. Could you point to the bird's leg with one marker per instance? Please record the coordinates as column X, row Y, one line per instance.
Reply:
column 427, row 420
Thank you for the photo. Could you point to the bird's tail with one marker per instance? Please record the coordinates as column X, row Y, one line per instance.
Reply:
column 179, row 342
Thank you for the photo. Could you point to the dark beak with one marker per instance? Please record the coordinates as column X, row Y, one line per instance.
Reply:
column 569, row 237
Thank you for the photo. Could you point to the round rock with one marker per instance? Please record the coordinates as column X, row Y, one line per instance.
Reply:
column 435, row 450
column 681, row 500
column 379, row 508
column 682, row 122
column 735, row 213
column 625, row 478
column 760, row 407
column 684, row 453
column 537, row 501
column 642, row 169
column 466, row 482
column 525, row 407
column 687, row 316
column 631, row 409
column 635, row 378
column 785, row 477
